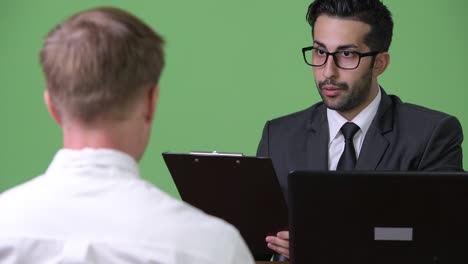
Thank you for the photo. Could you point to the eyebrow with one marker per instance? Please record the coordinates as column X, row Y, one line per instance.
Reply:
column 342, row 47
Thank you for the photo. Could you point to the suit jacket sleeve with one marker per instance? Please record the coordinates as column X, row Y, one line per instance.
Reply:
column 443, row 151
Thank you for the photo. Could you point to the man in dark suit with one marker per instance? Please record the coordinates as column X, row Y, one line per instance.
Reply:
column 357, row 125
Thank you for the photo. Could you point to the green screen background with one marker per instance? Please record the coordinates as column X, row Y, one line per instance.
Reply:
column 231, row 65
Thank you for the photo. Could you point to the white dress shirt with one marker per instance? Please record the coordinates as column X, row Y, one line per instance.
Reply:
column 91, row 206
column 336, row 121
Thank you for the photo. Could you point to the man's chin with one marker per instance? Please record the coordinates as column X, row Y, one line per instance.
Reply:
column 333, row 103
column 341, row 108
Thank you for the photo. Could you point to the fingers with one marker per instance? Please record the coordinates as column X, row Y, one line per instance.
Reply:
column 279, row 243
column 279, row 250
column 283, row 235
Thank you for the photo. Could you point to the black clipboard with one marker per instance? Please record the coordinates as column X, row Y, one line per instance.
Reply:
column 242, row 190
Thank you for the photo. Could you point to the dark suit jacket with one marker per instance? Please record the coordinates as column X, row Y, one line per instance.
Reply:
column 402, row 137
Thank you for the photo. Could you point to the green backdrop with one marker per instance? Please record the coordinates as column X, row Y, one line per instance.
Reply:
column 231, row 65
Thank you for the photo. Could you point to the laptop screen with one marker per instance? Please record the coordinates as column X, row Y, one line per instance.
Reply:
column 378, row 217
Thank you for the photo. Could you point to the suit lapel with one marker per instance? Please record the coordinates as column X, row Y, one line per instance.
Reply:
column 375, row 144
column 317, row 137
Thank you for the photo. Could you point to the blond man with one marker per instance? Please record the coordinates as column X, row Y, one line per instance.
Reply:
column 102, row 68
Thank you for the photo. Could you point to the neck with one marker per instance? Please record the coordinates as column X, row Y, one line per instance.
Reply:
column 119, row 137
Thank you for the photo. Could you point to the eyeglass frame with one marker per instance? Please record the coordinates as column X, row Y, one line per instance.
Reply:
column 333, row 54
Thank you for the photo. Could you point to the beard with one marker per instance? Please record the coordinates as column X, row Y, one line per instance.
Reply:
column 350, row 98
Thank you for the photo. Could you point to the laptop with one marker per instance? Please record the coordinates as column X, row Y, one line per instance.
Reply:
column 378, row 217
column 242, row 190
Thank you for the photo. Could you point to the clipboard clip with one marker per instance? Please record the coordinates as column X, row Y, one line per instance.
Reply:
column 216, row 153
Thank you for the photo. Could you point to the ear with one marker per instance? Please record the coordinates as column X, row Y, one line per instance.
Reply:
column 382, row 60
column 151, row 102
column 51, row 108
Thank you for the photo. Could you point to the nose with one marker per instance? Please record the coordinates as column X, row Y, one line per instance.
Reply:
column 330, row 70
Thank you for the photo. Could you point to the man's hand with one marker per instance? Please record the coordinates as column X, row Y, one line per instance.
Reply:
column 279, row 243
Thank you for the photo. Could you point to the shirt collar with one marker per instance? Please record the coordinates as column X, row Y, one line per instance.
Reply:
column 69, row 159
column 363, row 119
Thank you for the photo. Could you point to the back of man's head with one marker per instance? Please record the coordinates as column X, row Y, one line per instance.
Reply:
column 98, row 62
column 371, row 12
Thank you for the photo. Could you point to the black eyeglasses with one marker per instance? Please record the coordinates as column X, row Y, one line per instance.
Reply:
column 344, row 59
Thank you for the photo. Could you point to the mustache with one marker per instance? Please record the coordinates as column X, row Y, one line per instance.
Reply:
column 342, row 86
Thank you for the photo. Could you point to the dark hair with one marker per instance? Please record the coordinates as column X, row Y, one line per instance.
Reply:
column 372, row 12
column 97, row 62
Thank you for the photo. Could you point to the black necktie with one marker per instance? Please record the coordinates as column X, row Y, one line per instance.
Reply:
column 348, row 158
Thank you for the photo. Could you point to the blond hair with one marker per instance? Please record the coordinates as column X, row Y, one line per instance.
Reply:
column 97, row 62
